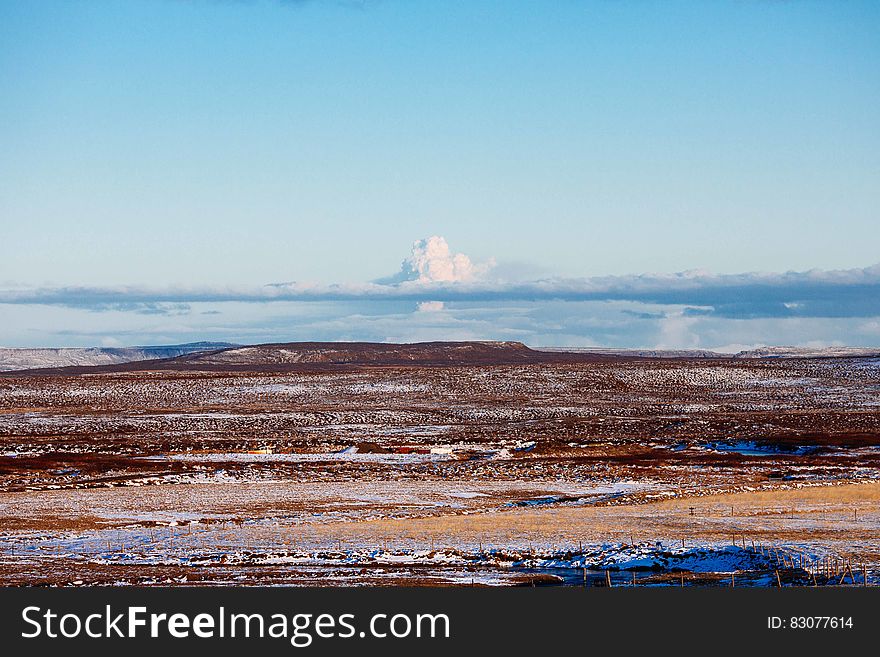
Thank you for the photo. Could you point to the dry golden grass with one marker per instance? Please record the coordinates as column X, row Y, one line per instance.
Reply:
column 861, row 493
column 845, row 517
column 50, row 522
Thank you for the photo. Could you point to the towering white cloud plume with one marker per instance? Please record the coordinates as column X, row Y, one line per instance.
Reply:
column 432, row 261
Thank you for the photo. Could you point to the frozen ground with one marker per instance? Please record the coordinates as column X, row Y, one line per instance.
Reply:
column 681, row 472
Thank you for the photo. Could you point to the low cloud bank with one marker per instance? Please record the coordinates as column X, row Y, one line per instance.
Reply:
column 434, row 274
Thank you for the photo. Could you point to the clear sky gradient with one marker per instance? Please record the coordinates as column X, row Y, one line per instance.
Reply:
column 218, row 143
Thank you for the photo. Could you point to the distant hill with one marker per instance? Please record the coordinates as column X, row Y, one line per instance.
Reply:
column 638, row 353
column 26, row 359
column 808, row 352
column 320, row 356
column 368, row 353
column 758, row 353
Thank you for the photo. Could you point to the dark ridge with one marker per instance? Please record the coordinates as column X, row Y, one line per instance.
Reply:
column 335, row 356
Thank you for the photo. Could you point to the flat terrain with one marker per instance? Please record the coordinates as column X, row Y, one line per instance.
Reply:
column 486, row 463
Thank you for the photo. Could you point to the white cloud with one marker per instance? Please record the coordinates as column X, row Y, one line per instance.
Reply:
column 431, row 306
column 434, row 274
column 432, row 261
column 540, row 322
column 676, row 332
column 870, row 327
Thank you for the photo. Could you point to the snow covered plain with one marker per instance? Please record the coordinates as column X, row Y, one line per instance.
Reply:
column 674, row 471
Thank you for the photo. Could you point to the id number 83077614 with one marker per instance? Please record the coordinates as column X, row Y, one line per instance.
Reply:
column 810, row 623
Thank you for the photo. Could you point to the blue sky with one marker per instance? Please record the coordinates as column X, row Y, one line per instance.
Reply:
column 170, row 150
